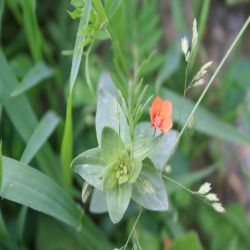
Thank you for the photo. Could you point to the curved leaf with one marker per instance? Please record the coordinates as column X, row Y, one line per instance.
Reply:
column 110, row 114
column 35, row 75
column 112, row 145
column 27, row 186
column 43, row 130
column 98, row 202
column 90, row 166
column 118, row 200
column 149, row 190
column 162, row 151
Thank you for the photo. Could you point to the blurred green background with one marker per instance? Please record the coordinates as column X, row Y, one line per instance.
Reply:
column 36, row 43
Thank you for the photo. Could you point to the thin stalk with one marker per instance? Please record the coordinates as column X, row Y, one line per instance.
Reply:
column 213, row 76
column 201, row 28
column 87, row 70
column 133, row 228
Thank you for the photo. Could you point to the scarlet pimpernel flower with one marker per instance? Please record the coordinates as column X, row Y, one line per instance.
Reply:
column 160, row 114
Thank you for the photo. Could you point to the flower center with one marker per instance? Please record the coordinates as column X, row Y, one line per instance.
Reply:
column 121, row 170
column 158, row 120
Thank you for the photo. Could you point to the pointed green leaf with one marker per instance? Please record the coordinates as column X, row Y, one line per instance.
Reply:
column 110, row 114
column 1, row 167
column 109, row 177
column 189, row 241
column 78, row 49
column 149, row 190
column 117, row 201
column 27, row 186
column 40, row 135
column 137, row 166
column 145, row 145
column 23, row 117
column 98, row 202
column 36, row 74
column 90, row 166
column 112, row 145
column 161, row 153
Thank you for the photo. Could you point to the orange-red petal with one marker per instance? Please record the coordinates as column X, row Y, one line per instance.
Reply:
column 166, row 110
column 155, row 108
column 166, row 125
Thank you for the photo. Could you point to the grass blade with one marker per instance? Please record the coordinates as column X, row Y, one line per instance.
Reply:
column 27, row 186
column 67, row 144
column 244, row 27
column 31, row 28
column 36, row 74
column 42, row 132
column 78, row 49
column 23, row 117
column 1, row 167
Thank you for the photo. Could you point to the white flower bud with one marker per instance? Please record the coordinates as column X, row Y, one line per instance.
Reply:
column 212, row 197
column 205, row 188
column 218, row 207
column 198, row 83
column 184, row 45
column 206, row 65
column 195, row 34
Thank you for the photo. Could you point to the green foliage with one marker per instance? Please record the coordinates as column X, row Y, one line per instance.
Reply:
column 126, row 39
column 41, row 133
column 149, row 191
column 37, row 73
column 27, row 186
column 1, row 167
column 187, row 242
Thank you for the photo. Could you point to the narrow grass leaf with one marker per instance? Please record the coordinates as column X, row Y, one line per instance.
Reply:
column 29, row 187
column 36, row 74
column 42, row 132
column 32, row 28
column 1, row 167
column 23, row 118
column 3, row 230
column 78, row 49
column 67, row 144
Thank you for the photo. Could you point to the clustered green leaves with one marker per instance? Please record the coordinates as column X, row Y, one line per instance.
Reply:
column 122, row 168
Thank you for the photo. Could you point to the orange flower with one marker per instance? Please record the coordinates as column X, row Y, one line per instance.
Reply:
column 160, row 114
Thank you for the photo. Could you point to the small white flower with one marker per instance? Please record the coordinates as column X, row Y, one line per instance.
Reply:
column 206, row 65
column 198, row 83
column 205, row 188
column 212, row 197
column 218, row 207
column 195, row 34
column 184, row 45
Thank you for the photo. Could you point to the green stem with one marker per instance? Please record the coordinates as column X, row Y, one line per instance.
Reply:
column 213, row 76
column 87, row 70
column 201, row 29
column 133, row 228
column 178, row 184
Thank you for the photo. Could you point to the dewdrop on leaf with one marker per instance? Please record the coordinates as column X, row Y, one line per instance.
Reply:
column 212, row 197
column 205, row 188
column 218, row 207
column 195, row 34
